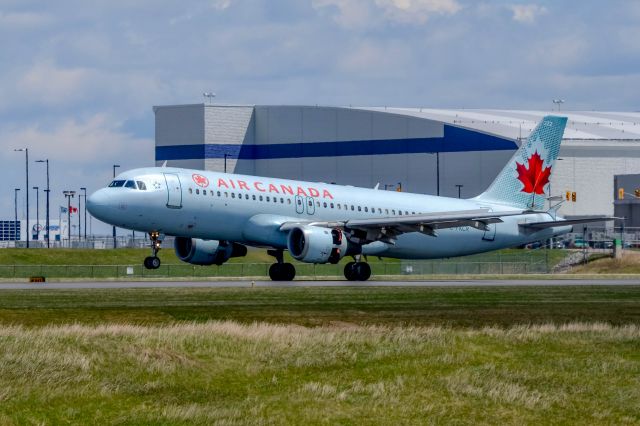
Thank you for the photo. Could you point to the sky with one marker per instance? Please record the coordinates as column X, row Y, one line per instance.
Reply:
column 78, row 79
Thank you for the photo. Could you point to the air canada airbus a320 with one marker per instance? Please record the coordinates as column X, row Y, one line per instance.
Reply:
column 215, row 216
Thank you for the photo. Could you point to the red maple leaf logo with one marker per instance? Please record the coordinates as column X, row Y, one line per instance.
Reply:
column 533, row 177
column 200, row 180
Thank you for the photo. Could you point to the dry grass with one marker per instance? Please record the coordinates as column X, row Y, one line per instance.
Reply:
column 628, row 264
column 223, row 372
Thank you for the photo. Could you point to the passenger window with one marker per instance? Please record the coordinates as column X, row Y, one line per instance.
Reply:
column 406, row 213
column 268, row 198
column 324, row 204
column 310, row 203
column 359, row 208
column 219, row 193
column 226, row 194
column 253, row 197
column 142, row 186
column 246, row 196
column 261, row 198
column 204, row 192
column 299, row 202
column 366, row 209
column 379, row 210
column 393, row 212
column 400, row 211
column 275, row 199
column 281, row 200
column 352, row 207
column 331, row 205
column 190, row 190
column 233, row 195
column 197, row 191
column 130, row 184
column 288, row 200
column 318, row 203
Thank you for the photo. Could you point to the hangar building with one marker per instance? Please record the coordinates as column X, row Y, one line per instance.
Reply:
column 419, row 150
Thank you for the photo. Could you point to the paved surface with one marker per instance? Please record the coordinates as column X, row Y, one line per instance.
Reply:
column 239, row 284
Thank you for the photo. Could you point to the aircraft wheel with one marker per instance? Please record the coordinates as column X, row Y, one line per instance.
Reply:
column 362, row 271
column 152, row 262
column 288, row 272
column 155, row 262
column 349, row 271
column 274, row 272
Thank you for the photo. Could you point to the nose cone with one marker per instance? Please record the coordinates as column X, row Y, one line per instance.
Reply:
column 100, row 205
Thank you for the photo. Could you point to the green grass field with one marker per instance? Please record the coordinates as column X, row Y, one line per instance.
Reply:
column 107, row 264
column 562, row 355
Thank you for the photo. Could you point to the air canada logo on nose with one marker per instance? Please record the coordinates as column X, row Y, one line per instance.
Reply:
column 200, row 180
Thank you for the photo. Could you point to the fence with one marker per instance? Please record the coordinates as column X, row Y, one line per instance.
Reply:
column 514, row 262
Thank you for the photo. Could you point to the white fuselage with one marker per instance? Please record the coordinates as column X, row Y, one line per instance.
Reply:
column 249, row 210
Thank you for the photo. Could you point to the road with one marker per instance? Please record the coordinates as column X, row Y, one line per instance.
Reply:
column 240, row 284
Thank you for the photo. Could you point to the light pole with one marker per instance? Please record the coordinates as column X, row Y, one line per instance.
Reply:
column 85, row 212
column 37, row 212
column 26, row 152
column 79, row 216
column 437, row 153
column 47, row 191
column 459, row 188
column 69, row 195
column 114, row 227
column 225, row 162
column 15, row 206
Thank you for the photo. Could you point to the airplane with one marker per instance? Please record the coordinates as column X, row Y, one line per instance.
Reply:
column 216, row 216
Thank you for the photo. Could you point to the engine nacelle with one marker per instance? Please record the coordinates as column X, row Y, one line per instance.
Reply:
column 207, row 252
column 314, row 244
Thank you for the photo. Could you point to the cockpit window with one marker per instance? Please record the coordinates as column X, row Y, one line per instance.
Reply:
column 130, row 184
column 116, row 184
column 141, row 185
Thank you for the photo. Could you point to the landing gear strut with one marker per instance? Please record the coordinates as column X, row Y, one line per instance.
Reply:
column 357, row 271
column 281, row 271
column 153, row 261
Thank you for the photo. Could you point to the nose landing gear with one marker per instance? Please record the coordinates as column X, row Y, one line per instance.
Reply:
column 153, row 261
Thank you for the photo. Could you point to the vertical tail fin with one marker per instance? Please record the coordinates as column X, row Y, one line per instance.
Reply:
column 524, row 181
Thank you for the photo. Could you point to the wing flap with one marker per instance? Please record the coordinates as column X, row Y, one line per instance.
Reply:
column 553, row 223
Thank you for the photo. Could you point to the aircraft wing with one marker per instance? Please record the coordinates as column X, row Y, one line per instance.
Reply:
column 387, row 229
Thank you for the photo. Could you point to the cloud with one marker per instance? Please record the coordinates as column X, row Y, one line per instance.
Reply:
column 52, row 85
column 366, row 13
column 90, row 141
column 527, row 13
column 416, row 11
column 23, row 20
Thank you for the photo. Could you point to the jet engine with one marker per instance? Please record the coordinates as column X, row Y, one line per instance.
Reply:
column 207, row 252
column 314, row 244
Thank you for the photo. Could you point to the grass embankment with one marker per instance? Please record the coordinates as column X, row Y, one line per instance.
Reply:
column 227, row 373
column 321, row 356
column 628, row 264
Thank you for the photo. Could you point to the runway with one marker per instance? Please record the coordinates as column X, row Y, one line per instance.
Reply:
column 244, row 284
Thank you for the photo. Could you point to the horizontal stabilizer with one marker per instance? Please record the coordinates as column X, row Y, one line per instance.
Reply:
column 552, row 223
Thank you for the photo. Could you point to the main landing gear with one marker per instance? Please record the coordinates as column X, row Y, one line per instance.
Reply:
column 153, row 261
column 357, row 271
column 281, row 271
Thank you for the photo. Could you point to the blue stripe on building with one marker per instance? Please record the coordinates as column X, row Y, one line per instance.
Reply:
column 455, row 139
